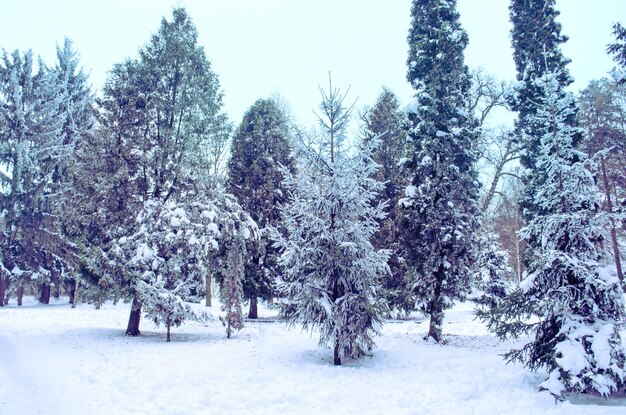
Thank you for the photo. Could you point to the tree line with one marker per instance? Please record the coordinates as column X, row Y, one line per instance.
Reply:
column 147, row 193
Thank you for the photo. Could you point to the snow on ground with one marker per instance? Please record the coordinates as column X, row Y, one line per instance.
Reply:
column 58, row 360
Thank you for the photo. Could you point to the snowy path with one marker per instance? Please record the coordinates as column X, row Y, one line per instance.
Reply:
column 55, row 360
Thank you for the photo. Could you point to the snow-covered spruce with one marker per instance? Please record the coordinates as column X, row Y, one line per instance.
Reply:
column 165, row 262
column 332, row 273
column 440, row 207
column 43, row 114
column 231, row 294
column 580, row 307
column 493, row 276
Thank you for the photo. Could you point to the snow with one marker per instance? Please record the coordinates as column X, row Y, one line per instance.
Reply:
column 55, row 360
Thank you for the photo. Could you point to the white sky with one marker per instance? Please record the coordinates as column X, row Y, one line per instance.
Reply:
column 263, row 47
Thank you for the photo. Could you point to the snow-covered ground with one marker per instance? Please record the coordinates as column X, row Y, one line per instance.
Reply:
column 58, row 360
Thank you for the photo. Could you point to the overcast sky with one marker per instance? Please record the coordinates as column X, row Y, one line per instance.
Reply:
column 263, row 47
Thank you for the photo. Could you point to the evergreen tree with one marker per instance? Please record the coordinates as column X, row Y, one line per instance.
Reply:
column 78, row 114
column 159, row 115
column 260, row 146
column 440, row 213
column 173, row 250
column 493, row 276
column 32, row 150
column 536, row 37
column 331, row 271
column 579, row 306
column 231, row 293
column 576, row 306
column 386, row 123
column 618, row 49
column 603, row 115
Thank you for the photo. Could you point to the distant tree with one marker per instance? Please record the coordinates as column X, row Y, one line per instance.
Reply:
column 260, row 147
column 494, row 277
column 440, row 207
column 77, row 110
column 386, row 123
column 618, row 49
column 33, row 149
column 332, row 273
column 159, row 115
column 603, row 117
column 231, row 294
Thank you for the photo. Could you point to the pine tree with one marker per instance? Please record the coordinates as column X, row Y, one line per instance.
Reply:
column 332, row 273
column 33, row 150
column 493, row 274
column 440, row 213
column 602, row 114
column 77, row 110
column 579, row 306
column 159, row 115
column 386, row 123
column 231, row 293
column 618, row 49
column 260, row 146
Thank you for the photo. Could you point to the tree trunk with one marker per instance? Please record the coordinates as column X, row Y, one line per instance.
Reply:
column 436, row 320
column 336, row 358
column 208, row 290
column 3, row 290
column 57, row 289
column 609, row 209
column 254, row 311
column 44, row 297
column 72, row 291
column 134, row 319
column 436, row 311
column 169, row 324
column 20, row 295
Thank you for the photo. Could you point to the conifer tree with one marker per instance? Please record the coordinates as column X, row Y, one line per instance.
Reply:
column 573, row 308
column 159, row 115
column 332, row 273
column 260, row 146
column 32, row 149
column 440, row 213
column 231, row 294
column 386, row 123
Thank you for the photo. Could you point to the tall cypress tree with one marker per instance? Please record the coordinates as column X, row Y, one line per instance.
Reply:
column 259, row 148
column 440, row 211
column 577, row 306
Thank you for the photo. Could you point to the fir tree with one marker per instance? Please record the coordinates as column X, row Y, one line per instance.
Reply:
column 32, row 150
column 332, row 273
column 618, row 49
column 440, row 214
column 579, row 305
column 386, row 123
column 76, row 108
column 260, row 146
column 159, row 115
column 493, row 275
column 231, row 294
